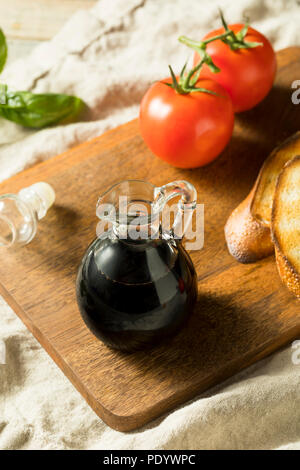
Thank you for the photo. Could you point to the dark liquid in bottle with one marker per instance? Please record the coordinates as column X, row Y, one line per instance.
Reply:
column 134, row 293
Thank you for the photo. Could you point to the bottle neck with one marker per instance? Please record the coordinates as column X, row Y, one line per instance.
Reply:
column 34, row 201
column 39, row 196
column 137, row 233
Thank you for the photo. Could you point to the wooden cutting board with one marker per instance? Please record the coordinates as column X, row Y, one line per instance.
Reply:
column 243, row 312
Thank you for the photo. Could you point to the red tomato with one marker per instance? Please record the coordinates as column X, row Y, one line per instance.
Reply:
column 247, row 74
column 189, row 130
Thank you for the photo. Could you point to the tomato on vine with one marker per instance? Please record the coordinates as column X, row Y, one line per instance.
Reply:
column 186, row 121
column 240, row 59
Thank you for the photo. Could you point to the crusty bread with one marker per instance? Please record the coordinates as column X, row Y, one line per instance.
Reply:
column 247, row 239
column 261, row 205
column 285, row 225
column 247, row 230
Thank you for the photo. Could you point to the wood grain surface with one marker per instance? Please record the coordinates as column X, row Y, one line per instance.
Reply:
column 27, row 23
column 243, row 312
column 38, row 19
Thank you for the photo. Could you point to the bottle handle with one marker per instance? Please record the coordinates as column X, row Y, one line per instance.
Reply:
column 185, row 207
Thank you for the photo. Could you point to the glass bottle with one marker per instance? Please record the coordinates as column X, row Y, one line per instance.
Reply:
column 136, row 284
column 19, row 213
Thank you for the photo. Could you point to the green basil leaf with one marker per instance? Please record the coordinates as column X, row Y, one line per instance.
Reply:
column 3, row 50
column 38, row 110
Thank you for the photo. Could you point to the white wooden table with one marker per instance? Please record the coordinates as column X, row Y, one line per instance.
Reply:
column 27, row 22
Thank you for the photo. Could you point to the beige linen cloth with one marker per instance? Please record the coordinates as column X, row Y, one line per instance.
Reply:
column 109, row 56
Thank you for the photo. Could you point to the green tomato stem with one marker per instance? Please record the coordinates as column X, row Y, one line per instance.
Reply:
column 201, row 45
column 186, row 82
column 234, row 40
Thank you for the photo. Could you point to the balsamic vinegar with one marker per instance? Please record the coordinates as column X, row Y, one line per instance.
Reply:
column 132, row 294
